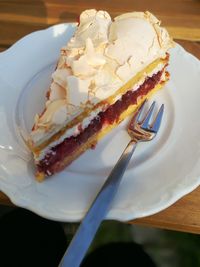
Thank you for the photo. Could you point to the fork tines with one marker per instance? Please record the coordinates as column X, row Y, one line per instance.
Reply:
column 145, row 123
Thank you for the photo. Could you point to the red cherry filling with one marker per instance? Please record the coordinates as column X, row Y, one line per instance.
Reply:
column 109, row 116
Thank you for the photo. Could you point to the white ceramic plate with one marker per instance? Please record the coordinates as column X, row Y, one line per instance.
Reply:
column 160, row 172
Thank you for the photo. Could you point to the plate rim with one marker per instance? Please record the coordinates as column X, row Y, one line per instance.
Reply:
column 117, row 214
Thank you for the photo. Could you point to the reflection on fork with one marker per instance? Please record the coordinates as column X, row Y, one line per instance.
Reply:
column 141, row 129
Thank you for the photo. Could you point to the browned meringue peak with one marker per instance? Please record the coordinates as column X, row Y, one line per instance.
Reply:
column 142, row 42
column 100, row 58
column 57, row 92
column 56, row 113
column 94, row 25
column 88, row 63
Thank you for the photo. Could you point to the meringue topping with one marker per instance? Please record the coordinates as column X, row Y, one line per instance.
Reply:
column 100, row 58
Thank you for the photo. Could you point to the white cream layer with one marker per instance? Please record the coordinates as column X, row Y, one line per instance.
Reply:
column 99, row 59
column 74, row 131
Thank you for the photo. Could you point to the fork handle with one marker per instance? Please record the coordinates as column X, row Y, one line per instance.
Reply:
column 123, row 161
column 97, row 212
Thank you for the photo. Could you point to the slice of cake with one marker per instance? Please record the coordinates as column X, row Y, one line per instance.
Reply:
column 105, row 71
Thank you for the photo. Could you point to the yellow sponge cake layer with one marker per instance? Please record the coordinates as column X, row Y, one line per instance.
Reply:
column 138, row 79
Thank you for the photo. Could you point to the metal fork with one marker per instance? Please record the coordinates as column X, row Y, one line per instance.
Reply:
column 140, row 130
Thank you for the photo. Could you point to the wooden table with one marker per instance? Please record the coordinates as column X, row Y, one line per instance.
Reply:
column 182, row 19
